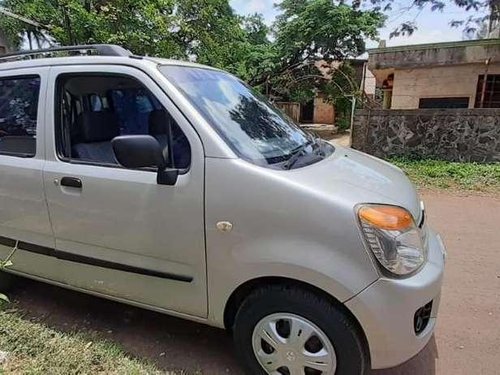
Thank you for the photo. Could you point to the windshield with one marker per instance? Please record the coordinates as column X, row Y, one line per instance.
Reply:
column 255, row 130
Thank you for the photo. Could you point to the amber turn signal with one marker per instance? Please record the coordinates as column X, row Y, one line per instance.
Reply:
column 386, row 217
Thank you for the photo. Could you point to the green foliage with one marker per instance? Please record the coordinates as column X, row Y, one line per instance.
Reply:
column 10, row 30
column 281, row 61
column 302, row 94
column 308, row 28
column 256, row 29
column 452, row 175
column 142, row 26
column 210, row 31
column 341, row 90
column 258, row 54
column 312, row 33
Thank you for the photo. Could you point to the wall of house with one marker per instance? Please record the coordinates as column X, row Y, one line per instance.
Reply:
column 370, row 83
column 434, row 54
column 324, row 112
column 442, row 81
column 447, row 134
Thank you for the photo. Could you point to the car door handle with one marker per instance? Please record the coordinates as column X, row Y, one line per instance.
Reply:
column 71, row 182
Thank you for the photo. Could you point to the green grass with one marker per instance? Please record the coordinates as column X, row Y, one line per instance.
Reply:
column 36, row 349
column 450, row 175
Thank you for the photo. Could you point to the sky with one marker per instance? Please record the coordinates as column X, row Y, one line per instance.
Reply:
column 433, row 27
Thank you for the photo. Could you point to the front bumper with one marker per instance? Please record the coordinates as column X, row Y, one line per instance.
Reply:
column 386, row 309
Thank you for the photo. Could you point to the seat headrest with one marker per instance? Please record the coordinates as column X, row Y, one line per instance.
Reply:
column 97, row 126
column 158, row 122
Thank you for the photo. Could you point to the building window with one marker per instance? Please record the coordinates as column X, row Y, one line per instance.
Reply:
column 426, row 103
column 488, row 93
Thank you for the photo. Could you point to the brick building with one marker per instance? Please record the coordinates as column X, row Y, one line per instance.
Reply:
column 464, row 74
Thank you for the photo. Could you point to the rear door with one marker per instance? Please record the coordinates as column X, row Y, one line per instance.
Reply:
column 117, row 231
column 24, row 216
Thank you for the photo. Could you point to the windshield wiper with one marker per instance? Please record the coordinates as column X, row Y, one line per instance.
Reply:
column 317, row 140
column 296, row 155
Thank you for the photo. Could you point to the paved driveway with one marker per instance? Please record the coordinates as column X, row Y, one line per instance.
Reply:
column 467, row 339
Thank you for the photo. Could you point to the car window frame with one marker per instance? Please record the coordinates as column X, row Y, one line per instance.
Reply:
column 39, row 112
column 58, row 129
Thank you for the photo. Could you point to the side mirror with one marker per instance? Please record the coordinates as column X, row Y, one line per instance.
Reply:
column 142, row 151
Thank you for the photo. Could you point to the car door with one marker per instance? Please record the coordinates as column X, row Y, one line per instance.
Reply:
column 117, row 231
column 24, row 218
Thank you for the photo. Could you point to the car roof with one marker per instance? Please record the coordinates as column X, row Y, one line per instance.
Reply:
column 138, row 61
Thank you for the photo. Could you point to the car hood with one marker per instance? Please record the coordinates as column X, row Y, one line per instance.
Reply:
column 352, row 177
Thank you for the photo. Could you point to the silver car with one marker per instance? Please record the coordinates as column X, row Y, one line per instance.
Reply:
column 177, row 188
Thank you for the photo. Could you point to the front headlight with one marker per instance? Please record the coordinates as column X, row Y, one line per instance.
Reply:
column 391, row 234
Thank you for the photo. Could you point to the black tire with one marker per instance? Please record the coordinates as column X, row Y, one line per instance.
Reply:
column 349, row 344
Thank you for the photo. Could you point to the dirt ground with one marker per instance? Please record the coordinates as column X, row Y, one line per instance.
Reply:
column 467, row 339
column 342, row 138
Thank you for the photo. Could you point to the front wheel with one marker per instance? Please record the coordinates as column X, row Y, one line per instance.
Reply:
column 283, row 330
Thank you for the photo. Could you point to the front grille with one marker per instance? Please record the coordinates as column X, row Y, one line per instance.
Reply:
column 421, row 318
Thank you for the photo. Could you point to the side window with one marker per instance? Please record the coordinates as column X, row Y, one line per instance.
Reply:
column 98, row 103
column 133, row 107
column 18, row 115
column 93, row 109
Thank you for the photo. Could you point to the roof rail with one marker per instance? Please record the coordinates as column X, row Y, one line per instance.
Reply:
column 101, row 49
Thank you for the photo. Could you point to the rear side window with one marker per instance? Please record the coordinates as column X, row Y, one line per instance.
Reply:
column 18, row 115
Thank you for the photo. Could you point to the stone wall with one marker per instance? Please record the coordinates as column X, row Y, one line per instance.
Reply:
column 448, row 134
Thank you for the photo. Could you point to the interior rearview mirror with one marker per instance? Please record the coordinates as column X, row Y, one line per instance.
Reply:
column 143, row 151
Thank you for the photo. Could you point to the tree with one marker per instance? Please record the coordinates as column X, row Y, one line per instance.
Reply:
column 309, row 35
column 207, row 31
column 280, row 60
column 480, row 12
column 142, row 26
column 481, row 32
column 210, row 31
column 257, row 54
